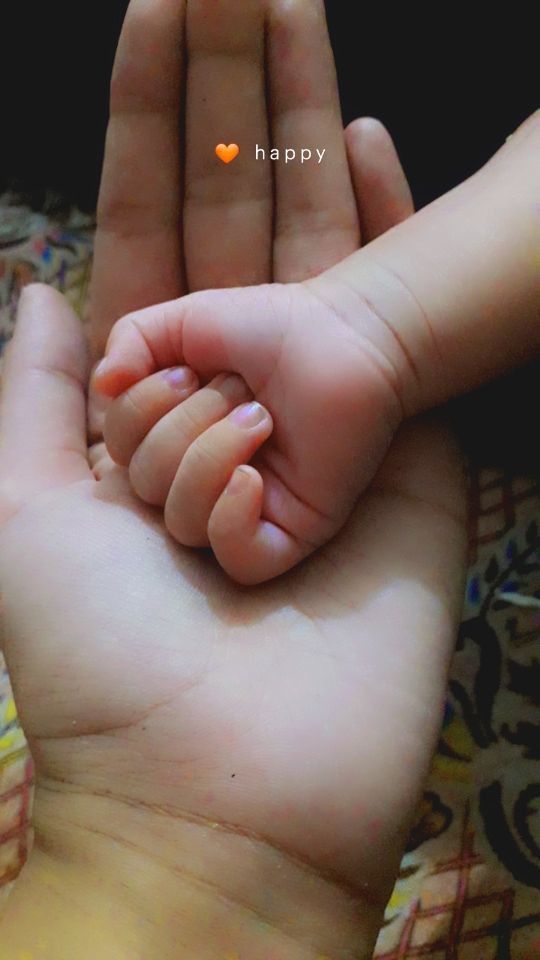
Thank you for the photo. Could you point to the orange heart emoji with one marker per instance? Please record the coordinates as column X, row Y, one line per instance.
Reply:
column 227, row 154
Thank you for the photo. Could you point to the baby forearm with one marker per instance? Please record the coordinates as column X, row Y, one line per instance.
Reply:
column 458, row 286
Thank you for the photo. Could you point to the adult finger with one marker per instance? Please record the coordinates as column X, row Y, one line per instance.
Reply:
column 137, row 258
column 383, row 194
column 228, row 208
column 43, row 408
column 316, row 218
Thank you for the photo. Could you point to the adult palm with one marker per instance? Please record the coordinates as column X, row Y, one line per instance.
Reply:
column 158, row 696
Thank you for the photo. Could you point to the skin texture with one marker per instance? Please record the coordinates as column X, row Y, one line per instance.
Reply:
column 220, row 772
column 201, row 224
column 335, row 363
column 333, row 403
column 172, row 228
column 237, row 227
column 145, row 679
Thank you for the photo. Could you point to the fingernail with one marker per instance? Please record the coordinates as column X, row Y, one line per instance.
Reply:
column 101, row 368
column 237, row 481
column 248, row 415
column 179, row 378
column 231, row 386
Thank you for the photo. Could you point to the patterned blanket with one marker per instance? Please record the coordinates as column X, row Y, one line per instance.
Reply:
column 469, row 884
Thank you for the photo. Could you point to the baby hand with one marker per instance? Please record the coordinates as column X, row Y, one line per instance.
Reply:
column 264, row 463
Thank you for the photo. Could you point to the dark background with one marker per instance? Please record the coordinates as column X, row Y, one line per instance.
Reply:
column 450, row 85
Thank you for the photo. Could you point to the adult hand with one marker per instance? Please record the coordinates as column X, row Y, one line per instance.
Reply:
column 219, row 772
column 172, row 218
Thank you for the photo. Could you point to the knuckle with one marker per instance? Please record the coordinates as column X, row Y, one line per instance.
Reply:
column 133, row 405
column 187, row 424
column 203, row 456
column 122, row 326
column 123, row 216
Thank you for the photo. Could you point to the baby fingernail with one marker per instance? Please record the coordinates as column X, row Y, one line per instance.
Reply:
column 100, row 380
column 248, row 415
column 236, row 483
column 179, row 378
column 231, row 386
column 101, row 368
